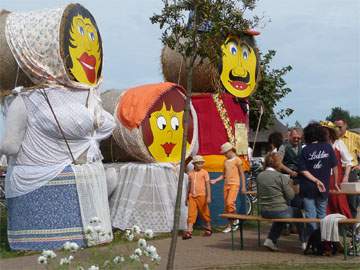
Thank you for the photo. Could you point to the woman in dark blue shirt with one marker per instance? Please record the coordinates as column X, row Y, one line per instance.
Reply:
column 317, row 159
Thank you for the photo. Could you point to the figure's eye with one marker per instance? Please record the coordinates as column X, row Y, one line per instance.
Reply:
column 81, row 30
column 161, row 122
column 175, row 123
column 245, row 53
column 92, row 36
column 233, row 49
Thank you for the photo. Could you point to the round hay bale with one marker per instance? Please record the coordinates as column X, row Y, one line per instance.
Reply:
column 173, row 68
column 149, row 124
column 9, row 67
column 109, row 148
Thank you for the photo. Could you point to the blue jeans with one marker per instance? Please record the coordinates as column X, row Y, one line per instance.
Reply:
column 314, row 208
column 277, row 227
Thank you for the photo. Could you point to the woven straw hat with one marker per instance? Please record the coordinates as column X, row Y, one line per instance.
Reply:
column 197, row 159
column 226, row 147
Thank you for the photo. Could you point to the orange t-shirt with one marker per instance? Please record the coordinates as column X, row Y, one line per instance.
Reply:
column 197, row 182
column 231, row 171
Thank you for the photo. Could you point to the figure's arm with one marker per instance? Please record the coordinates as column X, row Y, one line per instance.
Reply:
column 208, row 192
column 312, row 178
column 15, row 127
column 107, row 124
column 346, row 159
column 242, row 178
column 218, row 179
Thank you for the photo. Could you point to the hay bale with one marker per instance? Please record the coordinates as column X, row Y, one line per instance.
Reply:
column 133, row 137
column 9, row 66
column 109, row 148
column 205, row 75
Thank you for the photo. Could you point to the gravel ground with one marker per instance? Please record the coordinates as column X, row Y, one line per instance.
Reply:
column 209, row 253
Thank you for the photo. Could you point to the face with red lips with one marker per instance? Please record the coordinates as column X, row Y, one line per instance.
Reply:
column 163, row 127
column 85, row 50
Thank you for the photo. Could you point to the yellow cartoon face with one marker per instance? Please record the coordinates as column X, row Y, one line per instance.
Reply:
column 239, row 67
column 85, row 50
column 167, row 130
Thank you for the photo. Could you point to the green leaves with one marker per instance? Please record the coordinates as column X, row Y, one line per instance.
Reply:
column 271, row 89
column 224, row 16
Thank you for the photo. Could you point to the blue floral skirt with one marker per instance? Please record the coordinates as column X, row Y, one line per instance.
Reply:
column 47, row 217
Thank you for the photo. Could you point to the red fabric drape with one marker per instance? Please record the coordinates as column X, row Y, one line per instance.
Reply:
column 212, row 133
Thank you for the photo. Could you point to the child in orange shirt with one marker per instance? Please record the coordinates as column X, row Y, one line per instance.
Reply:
column 198, row 197
column 233, row 176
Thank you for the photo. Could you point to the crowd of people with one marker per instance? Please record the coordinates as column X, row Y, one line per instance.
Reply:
column 298, row 175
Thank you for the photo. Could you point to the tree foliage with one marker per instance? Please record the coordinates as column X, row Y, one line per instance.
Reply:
column 271, row 89
column 338, row 113
column 204, row 33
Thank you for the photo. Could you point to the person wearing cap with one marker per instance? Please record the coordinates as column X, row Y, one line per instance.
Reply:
column 234, row 180
column 198, row 197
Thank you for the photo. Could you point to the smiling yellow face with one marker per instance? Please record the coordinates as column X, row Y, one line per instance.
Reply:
column 239, row 67
column 84, row 49
column 167, row 130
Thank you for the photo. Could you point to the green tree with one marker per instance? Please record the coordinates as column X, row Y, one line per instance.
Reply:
column 339, row 113
column 271, row 89
column 220, row 18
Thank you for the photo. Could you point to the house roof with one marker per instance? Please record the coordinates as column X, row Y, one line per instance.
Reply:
column 264, row 133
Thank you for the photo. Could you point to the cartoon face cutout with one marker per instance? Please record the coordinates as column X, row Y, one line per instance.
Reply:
column 163, row 129
column 83, row 49
column 239, row 67
column 167, row 128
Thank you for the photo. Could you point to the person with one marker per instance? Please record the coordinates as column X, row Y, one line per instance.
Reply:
column 274, row 191
column 338, row 202
column 290, row 152
column 275, row 140
column 352, row 142
column 234, row 180
column 198, row 197
column 316, row 161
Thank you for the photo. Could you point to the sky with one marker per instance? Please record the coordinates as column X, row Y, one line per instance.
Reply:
column 319, row 39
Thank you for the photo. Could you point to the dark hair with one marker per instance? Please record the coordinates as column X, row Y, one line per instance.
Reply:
column 314, row 132
column 276, row 139
column 250, row 40
column 330, row 134
column 70, row 12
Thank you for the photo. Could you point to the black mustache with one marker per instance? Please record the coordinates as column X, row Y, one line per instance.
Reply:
column 238, row 78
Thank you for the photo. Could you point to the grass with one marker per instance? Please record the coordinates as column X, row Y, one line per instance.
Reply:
column 337, row 266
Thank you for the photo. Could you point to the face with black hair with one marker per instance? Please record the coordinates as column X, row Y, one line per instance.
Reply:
column 239, row 68
column 82, row 45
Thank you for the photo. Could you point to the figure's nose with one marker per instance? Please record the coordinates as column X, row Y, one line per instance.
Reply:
column 239, row 71
column 169, row 134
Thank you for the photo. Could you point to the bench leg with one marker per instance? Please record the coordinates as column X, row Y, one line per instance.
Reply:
column 258, row 233
column 343, row 232
column 241, row 235
column 232, row 236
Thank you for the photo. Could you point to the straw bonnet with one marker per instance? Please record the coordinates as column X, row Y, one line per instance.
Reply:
column 198, row 158
column 328, row 124
column 226, row 147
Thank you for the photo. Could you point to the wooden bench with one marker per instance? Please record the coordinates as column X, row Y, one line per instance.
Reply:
column 258, row 219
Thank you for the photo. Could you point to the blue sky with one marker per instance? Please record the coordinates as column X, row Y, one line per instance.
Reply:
column 320, row 39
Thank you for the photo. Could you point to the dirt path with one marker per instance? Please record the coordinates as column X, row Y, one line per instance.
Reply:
column 204, row 252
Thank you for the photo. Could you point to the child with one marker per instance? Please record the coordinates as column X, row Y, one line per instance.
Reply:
column 233, row 176
column 198, row 197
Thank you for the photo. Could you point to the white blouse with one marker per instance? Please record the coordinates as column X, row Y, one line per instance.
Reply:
column 346, row 157
column 43, row 153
